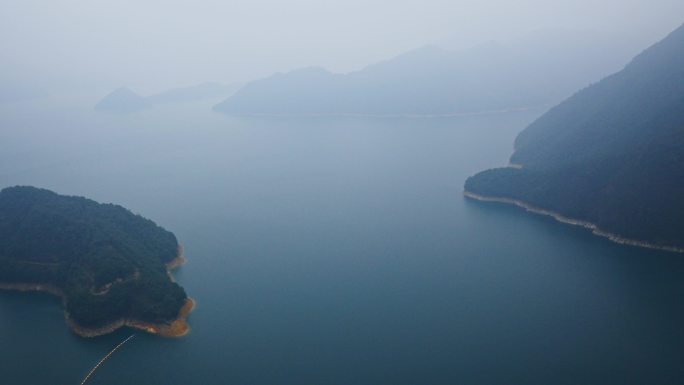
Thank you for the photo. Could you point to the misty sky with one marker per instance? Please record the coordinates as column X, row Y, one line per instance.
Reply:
column 153, row 45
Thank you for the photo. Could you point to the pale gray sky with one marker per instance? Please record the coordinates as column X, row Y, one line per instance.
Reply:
column 156, row 44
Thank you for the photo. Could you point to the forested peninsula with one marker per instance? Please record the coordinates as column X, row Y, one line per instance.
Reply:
column 610, row 157
column 109, row 266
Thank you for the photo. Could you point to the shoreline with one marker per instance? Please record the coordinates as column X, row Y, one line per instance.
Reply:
column 178, row 261
column 389, row 115
column 572, row 221
column 176, row 328
column 179, row 327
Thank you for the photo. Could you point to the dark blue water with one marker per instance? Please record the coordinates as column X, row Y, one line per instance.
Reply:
column 339, row 251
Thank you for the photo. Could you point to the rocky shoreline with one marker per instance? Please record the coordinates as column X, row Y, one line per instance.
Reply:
column 178, row 261
column 176, row 328
column 571, row 221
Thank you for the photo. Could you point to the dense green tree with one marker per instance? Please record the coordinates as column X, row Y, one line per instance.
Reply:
column 612, row 154
column 109, row 262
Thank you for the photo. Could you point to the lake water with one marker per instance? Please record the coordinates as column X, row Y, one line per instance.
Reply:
column 338, row 251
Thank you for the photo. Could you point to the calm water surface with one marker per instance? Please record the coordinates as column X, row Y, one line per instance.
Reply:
column 338, row 251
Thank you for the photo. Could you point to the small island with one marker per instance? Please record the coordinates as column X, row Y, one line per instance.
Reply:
column 110, row 267
column 122, row 101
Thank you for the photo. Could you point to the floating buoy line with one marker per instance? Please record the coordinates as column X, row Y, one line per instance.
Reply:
column 105, row 358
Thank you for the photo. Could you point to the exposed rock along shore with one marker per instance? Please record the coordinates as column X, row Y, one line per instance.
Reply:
column 176, row 328
column 572, row 221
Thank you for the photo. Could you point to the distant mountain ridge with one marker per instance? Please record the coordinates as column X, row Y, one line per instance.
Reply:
column 527, row 72
column 611, row 155
column 123, row 100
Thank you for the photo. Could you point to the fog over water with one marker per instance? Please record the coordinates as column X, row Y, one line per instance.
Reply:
column 332, row 247
column 152, row 45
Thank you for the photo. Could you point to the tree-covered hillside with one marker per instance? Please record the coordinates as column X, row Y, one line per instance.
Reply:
column 612, row 154
column 109, row 262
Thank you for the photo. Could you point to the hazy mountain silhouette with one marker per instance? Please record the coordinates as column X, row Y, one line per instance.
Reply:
column 612, row 154
column 122, row 100
column 539, row 69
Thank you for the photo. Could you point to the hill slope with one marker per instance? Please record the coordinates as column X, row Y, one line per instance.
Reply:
column 108, row 263
column 125, row 101
column 612, row 154
column 122, row 101
column 536, row 70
